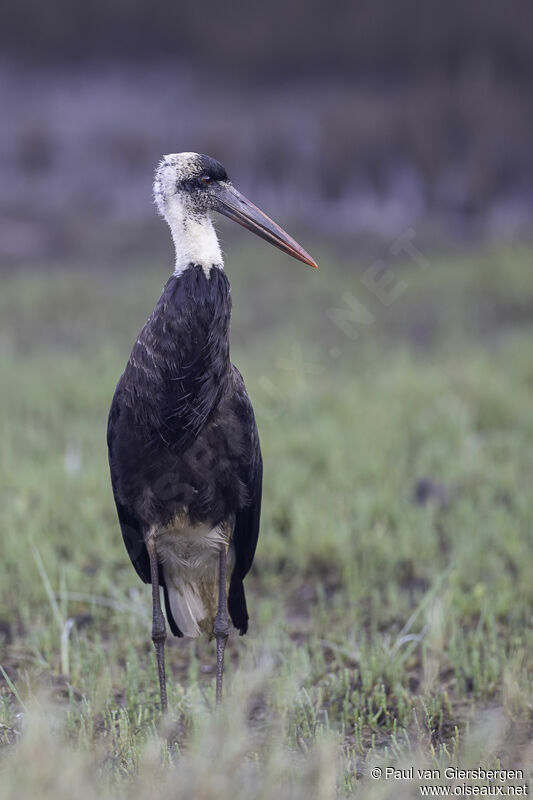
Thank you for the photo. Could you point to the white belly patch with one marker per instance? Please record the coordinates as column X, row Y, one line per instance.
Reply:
column 190, row 559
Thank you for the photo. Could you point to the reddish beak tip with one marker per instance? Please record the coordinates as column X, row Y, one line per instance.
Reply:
column 309, row 260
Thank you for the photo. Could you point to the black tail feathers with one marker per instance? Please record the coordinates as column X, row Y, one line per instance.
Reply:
column 237, row 604
column 170, row 619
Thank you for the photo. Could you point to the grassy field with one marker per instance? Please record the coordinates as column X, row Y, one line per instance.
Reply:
column 391, row 601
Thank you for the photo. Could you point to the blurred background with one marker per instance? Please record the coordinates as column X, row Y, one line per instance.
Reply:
column 391, row 599
column 353, row 123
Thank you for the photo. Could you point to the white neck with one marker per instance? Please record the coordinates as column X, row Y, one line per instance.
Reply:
column 195, row 240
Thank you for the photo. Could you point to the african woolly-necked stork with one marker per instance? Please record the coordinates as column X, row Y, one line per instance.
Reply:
column 184, row 452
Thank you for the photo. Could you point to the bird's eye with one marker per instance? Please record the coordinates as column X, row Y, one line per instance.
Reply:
column 206, row 179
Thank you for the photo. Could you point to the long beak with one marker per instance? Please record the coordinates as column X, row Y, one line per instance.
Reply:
column 231, row 203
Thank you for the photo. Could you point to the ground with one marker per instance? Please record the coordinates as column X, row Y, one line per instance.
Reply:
column 391, row 597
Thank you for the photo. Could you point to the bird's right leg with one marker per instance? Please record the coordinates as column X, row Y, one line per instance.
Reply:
column 221, row 626
column 159, row 633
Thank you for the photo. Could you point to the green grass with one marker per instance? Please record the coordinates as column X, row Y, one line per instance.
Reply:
column 383, row 630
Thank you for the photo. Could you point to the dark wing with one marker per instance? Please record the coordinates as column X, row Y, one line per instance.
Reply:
column 130, row 525
column 246, row 531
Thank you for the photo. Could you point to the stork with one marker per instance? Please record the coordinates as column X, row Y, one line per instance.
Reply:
column 184, row 453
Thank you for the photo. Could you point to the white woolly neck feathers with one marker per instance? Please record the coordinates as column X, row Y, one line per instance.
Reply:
column 195, row 240
column 192, row 229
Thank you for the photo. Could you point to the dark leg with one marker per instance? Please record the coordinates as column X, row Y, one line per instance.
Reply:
column 159, row 633
column 221, row 626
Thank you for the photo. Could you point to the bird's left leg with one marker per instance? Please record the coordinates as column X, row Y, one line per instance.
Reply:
column 159, row 632
column 221, row 626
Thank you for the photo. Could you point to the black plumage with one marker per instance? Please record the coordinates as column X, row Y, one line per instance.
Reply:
column 181, row 431
column 184, row 452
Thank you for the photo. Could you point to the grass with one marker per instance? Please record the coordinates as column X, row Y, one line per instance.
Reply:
column 391, row 597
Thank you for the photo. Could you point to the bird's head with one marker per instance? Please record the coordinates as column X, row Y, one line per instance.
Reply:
column 188, row 186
